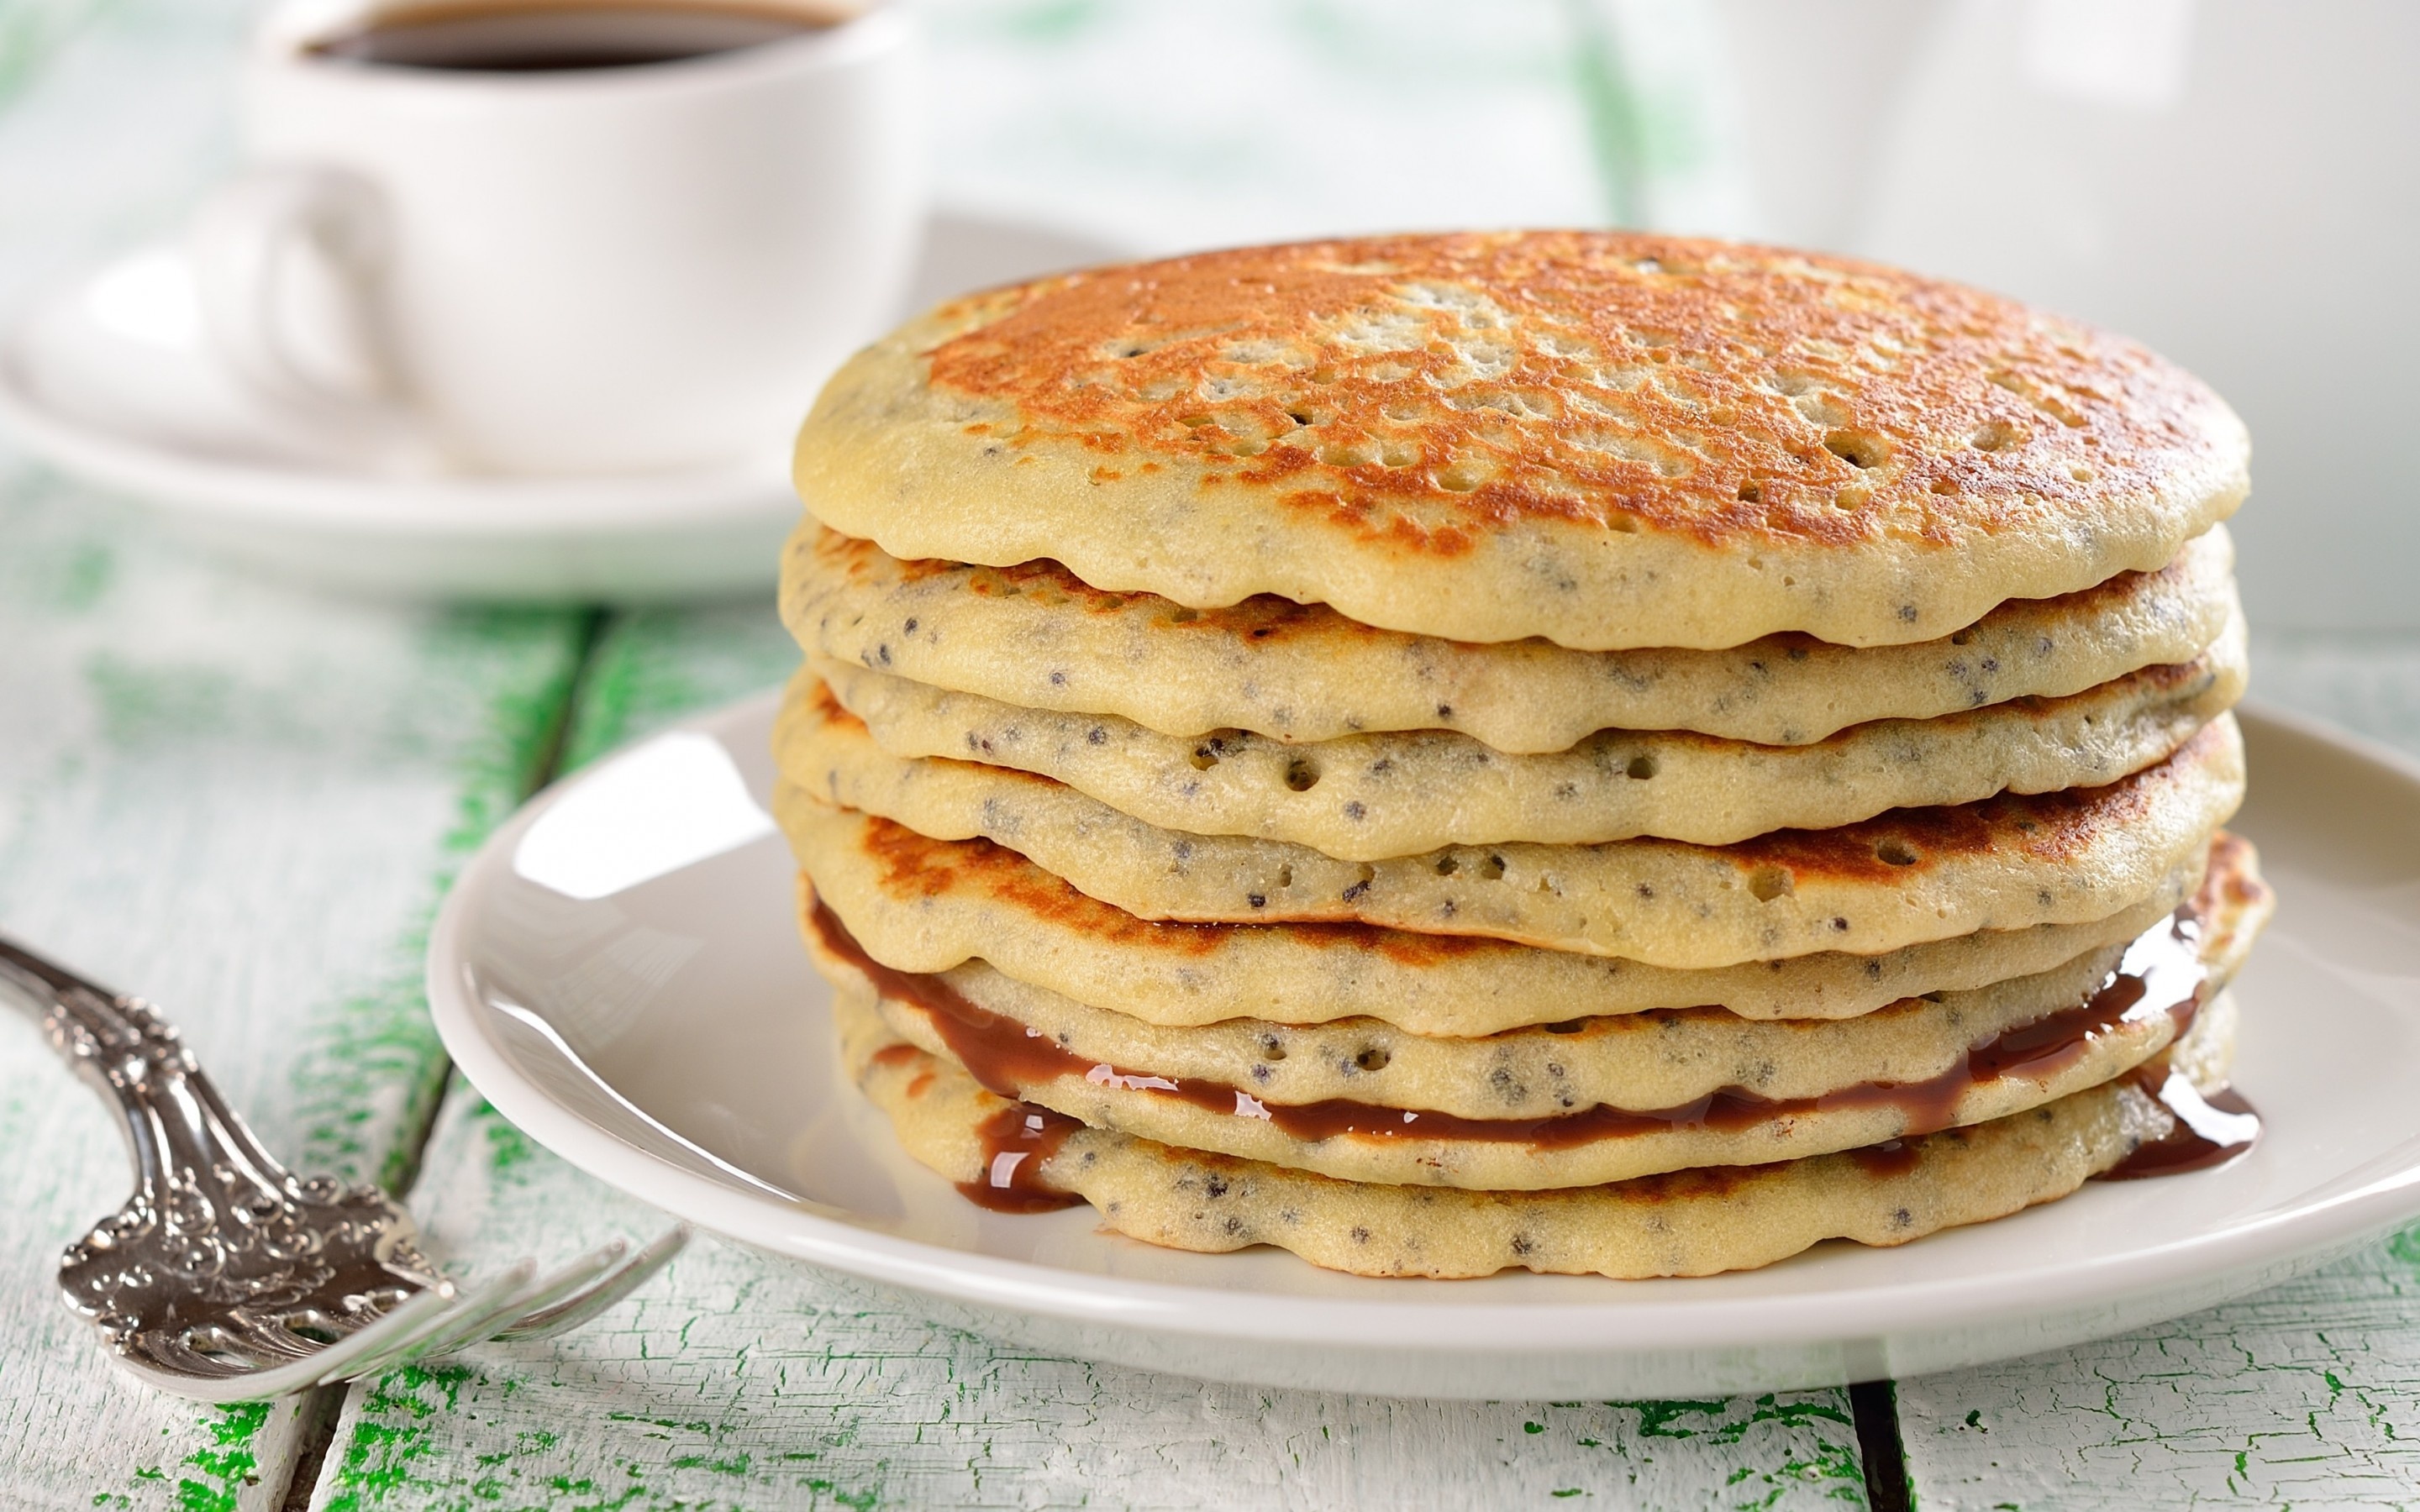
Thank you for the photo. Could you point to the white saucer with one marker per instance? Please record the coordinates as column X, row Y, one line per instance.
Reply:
column 109, row 379
column 618, row 973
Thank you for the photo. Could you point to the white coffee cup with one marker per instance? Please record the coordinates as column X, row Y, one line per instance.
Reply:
column 574, row 270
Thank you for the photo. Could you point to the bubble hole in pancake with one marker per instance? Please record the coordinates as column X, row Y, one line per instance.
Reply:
column 1903, row 878
column 1372, row 797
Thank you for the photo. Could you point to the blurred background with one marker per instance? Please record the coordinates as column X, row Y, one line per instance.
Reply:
column 2234, row 181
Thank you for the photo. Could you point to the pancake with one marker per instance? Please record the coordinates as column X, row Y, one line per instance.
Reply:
column 1370, row 798
column 1685, row 1223
column 1968, row 1058
column 1606, row 439
column 1662, row 1059
column 925, row 905
column 1037, row 637
column 1914, row 875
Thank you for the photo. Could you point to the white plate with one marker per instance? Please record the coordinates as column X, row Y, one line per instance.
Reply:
column 109, row 379
column 617, row 972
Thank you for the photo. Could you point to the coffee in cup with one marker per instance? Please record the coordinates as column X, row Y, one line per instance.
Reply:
column 541, row 39
column 566, row 237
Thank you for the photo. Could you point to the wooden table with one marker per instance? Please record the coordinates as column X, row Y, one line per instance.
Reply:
column 245, row 799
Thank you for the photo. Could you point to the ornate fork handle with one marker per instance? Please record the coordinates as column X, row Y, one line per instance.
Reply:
column 215, row 1218
column 173, row 1119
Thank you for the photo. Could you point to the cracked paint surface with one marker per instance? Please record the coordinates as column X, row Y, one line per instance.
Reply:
column 2306, row 1395
column 735, row 1381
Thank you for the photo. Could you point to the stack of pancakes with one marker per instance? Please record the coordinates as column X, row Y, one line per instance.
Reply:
column 1579, row 751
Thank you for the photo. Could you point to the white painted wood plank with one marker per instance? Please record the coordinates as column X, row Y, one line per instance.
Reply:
column 30, row 31
column 239, row 798
column 112, row 658
column 738, row 1380
column 242, row 801
column 114, row 116
column 2308, row 1395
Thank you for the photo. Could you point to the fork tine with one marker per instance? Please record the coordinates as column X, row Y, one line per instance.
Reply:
column 511, row 1295
column 480, row 1320
column 558, row 1285
column 610, row 1288
column 406, row 1321
column 475, row 1324
column 401, row 1346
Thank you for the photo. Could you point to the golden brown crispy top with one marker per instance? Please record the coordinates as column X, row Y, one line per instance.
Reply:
column 1429, row 390
column 1605, row 439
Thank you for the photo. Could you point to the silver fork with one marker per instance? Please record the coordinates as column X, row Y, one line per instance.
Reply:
column 229, row 1278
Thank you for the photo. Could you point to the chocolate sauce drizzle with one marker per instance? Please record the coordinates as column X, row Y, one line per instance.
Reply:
column 1018, row 1141
column 2161, row 973
column 2211, row 1129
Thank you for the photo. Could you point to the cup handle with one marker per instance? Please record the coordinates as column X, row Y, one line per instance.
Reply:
column 287, row 261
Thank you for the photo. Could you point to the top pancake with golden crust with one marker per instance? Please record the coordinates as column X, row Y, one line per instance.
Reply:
column 1603, row 438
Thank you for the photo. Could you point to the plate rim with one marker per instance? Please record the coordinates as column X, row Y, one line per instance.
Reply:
column 1635, row 1324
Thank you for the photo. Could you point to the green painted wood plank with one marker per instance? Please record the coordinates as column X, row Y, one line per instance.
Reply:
column 652, row 667
column 31, row 32
column 2308, row 1395
column 737, row 1381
